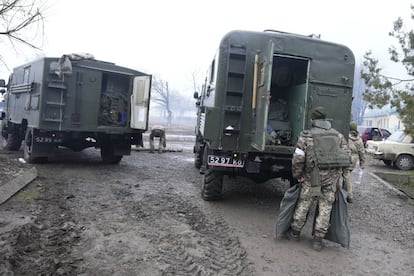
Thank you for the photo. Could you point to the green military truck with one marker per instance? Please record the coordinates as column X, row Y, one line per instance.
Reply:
column 257, row 98
column 76, row 102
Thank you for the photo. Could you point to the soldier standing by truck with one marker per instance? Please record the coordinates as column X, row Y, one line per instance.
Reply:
column 356, row 146
column 320, row 154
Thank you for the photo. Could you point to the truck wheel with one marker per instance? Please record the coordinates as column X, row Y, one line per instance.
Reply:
column 211, row 185
column 198, row 158
column 13, row 141
column 28, row 148
column 108, row 156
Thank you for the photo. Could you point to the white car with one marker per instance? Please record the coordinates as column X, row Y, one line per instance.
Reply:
column 397, row 150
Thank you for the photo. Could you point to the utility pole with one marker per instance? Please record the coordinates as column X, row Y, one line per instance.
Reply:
column 169, row 115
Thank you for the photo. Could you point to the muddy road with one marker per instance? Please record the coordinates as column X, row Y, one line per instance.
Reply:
column 145, row 217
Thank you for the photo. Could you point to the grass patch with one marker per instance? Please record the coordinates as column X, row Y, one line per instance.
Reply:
column 403, row 180
column 411, row 172
column 408, row 188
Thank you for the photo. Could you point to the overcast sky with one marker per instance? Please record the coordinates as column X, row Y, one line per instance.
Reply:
column 174, row 38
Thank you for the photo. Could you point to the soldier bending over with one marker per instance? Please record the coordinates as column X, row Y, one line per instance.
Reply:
column 158, row 131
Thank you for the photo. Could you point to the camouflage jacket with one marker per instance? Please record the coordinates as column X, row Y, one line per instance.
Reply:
column 356, row 146
column 305, row 141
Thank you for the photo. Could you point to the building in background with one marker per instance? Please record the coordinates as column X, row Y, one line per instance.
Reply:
column 385, row 117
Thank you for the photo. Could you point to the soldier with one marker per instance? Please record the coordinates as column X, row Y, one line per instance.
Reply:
column 158, row 131
column 320, row 154
column 356, row 146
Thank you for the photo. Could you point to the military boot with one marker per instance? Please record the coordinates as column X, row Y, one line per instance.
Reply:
column 317, row 243
column 293, row 235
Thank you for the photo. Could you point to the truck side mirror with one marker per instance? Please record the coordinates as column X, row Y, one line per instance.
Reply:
column 195, row 95
column 2, row 83
column 2, row 91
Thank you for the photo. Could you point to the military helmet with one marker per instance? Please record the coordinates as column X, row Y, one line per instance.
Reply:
column 353, row 126
column 318, row 113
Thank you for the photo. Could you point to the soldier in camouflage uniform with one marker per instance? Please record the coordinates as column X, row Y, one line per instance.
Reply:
column 158, row 131
column 328, row 181
column 356, row 146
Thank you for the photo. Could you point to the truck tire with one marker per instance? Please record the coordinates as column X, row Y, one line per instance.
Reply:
column 211, row 185
column 108, row 156
column 13, row 141
column 28, row 148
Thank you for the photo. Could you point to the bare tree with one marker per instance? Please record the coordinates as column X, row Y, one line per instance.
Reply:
column 16, row 17
column 160, row 95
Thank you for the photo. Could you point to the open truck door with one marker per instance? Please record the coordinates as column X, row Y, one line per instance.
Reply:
column 261, row 95
column 140, row 102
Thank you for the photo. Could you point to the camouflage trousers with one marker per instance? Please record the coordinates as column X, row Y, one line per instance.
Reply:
column 163, row 142
column 346, row 175
column 329, row 179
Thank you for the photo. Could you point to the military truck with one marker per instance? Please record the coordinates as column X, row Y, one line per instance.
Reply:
column 256, row 99
column 76, row 102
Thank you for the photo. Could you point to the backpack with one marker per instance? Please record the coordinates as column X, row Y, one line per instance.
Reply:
column 326, row 152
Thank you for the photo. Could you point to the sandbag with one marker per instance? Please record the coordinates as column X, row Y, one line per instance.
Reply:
column 286, row 211
column 338, row 230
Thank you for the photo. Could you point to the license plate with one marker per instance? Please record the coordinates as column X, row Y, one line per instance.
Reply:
column 47, row 140
column 224, row 161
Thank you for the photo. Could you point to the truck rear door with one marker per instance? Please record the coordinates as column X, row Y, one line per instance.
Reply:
column 261, row 106
column 140, row 102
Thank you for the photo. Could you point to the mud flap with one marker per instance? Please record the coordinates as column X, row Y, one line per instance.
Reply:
column 122, row 149
column 42, row 149
column 287, row 210
column 252, row 166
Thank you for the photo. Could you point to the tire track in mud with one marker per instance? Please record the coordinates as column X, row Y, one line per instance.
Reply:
column 44, row 245
column 188, row 242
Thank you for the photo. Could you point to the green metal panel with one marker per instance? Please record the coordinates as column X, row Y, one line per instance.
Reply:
column 264, row 79
column 330, row 69
column 297, row 110
column 336, row 100
column 212, row 115
column 73, row 101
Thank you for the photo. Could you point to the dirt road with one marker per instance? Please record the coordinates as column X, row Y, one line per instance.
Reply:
column 145, row 217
